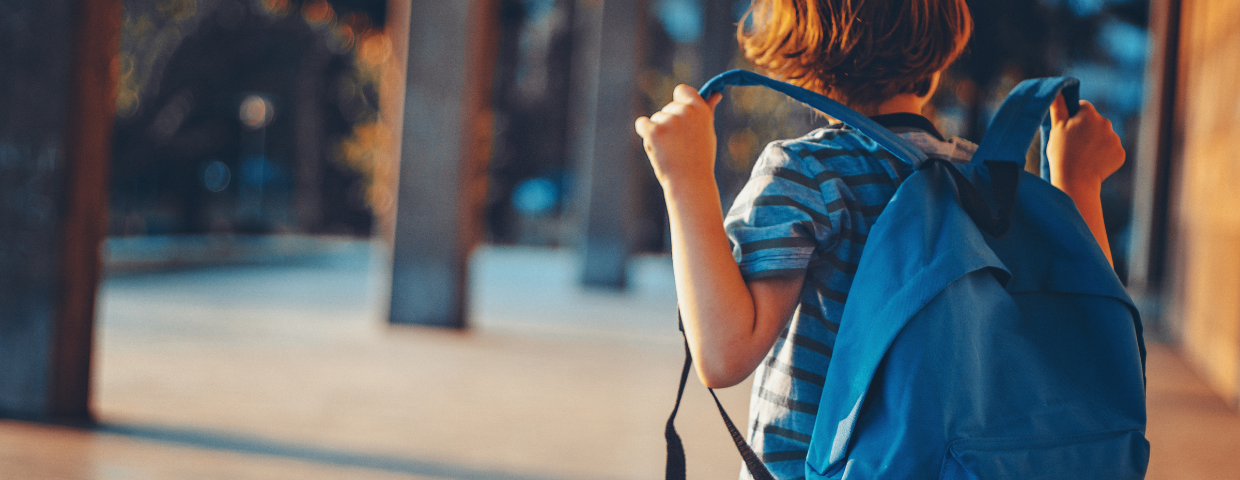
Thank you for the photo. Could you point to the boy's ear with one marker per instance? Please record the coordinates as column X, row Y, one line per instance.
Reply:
column 932, row 84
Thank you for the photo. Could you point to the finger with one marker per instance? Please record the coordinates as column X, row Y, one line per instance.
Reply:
column 643, row 126
column 1088, row 108
column 675, row 108
column 686, row 94
column 714, row 100
column 1059, row 110
column 660, row 117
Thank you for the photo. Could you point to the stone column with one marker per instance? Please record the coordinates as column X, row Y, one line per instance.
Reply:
column 57, row 107
column 445, row 141
column 609, row 34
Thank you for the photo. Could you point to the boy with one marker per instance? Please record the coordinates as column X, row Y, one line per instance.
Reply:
column 774, row 301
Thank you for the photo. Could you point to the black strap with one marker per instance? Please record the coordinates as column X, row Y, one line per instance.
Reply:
column 752, row 462
column 676, row 450
column 1003, row 179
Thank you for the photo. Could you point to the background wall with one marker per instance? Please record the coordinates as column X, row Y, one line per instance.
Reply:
column 1204, row 223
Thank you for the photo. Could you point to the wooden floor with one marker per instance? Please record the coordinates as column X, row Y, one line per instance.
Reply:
column 287, row 371
column 1193, row 433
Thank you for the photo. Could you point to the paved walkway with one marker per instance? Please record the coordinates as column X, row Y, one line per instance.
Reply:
column 288, row 371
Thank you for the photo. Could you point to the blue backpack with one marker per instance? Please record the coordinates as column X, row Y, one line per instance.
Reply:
column 977, row 343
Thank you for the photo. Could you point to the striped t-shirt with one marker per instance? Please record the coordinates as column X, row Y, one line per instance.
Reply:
column 806, row 211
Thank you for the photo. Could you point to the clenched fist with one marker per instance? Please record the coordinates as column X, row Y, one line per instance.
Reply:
column 1083, row 150
column 680, row 138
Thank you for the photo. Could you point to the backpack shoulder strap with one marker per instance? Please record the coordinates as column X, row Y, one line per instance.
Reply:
column 1003, row 149
column 1025, row 111
column 899, row 147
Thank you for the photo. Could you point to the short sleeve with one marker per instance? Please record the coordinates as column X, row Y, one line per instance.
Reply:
column 780, row 217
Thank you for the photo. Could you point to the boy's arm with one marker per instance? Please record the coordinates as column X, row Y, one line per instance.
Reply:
column 730, row 325
column 1083, row 151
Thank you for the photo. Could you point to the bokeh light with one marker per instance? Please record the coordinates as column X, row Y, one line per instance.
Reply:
column 256, row 112
column 216, row 176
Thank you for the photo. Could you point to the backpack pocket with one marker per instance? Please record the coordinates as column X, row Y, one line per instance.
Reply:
column 1118, row 454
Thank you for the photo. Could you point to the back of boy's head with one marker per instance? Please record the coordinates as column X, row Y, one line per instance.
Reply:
column 860, row 52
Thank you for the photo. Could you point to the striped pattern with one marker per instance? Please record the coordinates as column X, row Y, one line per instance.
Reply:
column 807, row 210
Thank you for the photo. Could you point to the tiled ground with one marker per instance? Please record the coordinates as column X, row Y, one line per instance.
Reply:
column 287, row 371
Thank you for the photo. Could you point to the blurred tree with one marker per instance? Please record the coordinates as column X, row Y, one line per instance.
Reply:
column 1008, row 37
column 187, row 65
column 1018, row 39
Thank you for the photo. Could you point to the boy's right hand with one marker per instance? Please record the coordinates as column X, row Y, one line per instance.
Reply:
column 680, row 138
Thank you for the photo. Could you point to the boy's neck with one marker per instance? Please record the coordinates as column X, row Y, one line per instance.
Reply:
column 903, row 103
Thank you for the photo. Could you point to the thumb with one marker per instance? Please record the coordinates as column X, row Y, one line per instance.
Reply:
column 714, row 100
column 1059, row 110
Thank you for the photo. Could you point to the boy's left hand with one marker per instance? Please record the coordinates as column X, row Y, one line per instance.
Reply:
column 680, row 138
column 1083, row 150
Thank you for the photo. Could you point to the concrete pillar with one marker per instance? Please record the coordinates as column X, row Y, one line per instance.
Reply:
column 607, row 150
column 57, row 104
column 1153, row 169
column 445, row 141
